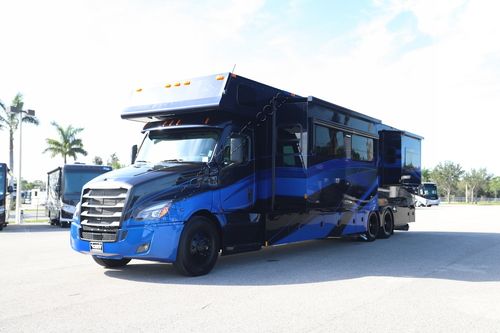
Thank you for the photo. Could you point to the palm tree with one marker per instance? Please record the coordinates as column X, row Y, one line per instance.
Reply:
column 68, row 144
column 10, row 121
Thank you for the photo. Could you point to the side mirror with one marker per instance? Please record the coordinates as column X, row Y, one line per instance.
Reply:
column 237, row 150
column 10, row 189
column 134, row 154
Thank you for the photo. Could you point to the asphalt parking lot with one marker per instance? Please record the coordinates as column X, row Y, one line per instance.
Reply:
column 441, row 276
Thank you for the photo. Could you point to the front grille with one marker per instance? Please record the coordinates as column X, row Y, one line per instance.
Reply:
column 101, row 213
column 104, row 234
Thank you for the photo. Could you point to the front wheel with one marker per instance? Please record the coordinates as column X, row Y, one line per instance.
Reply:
column 198, row 247
column 111, row 263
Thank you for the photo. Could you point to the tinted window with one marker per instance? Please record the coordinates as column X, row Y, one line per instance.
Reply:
column 289, row 147
column 411, row 153
column 362, row 148
column 429, row 189
column 75, row 179
column 329, row 143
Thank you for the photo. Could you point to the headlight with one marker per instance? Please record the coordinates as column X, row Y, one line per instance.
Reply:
column 154, row 212
column 77, row 210
column 68, row 208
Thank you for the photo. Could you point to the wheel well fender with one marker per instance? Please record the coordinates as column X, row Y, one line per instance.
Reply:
column 213, row 219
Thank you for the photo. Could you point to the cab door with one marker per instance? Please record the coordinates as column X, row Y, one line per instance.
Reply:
column 237, row 190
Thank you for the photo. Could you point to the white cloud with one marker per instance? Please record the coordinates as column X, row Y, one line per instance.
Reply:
column 75, row 62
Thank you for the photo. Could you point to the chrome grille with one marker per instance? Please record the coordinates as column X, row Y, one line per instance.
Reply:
column 103, row 234
column 101, row 213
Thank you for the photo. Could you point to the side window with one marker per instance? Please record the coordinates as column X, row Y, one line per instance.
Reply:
column 329, row 143
column 362, row 148
column 237, row 150
column 289, row 146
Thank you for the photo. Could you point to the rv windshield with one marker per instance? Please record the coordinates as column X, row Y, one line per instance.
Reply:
column 429, row 191
column 178, row 146
column 75, row 179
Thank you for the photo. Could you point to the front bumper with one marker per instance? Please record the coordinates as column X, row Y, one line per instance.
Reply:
column 163, row 240
column 434, row 202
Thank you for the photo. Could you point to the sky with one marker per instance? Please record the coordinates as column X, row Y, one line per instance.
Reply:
column 428, row 67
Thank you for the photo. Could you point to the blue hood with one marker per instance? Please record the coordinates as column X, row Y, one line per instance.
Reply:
column 157, row 183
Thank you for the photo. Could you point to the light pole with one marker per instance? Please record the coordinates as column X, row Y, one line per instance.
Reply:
column 19, row 184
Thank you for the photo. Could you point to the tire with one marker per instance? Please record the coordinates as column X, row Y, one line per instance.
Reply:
column 198, row 247
column 111, row 263
column 372, row 228
column 387, row 225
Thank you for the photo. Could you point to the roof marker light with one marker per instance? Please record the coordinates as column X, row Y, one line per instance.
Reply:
column 177, row 84
column 168, row 85
column 138, row 90
column 187, row 83
column 219, row 77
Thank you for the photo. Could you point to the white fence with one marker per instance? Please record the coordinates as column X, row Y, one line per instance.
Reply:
column 462, row 199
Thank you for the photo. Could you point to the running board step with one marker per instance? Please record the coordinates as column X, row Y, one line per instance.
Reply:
column 241, row 248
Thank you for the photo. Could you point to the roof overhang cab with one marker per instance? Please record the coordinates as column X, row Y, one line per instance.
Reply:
column 197, row 94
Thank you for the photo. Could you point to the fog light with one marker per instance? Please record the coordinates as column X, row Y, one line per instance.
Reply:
column 143, row 248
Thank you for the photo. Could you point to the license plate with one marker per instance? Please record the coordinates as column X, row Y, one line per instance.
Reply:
column 96, row 247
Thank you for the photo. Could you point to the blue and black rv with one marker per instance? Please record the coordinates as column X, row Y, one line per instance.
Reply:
column 229, row 165
column 3, row 195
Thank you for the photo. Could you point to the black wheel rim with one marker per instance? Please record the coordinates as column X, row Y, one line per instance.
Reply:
column 200, row 248
column 387, row 223
column 373, row 227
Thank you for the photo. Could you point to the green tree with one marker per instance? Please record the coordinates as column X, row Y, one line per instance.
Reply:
column 494, row 186
column 39, row 184
column 97, row 160
column 476, row 180
column 10, row 121
column 426, row 175
column 447, row 175
column 114, row 162
column 68, row 144
column 26, row 185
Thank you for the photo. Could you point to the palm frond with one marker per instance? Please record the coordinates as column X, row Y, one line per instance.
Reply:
column 67, row 145
column 31, row 120
column 80, row 151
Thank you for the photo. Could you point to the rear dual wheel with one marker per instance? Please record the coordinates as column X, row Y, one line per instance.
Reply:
column 387, row 225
